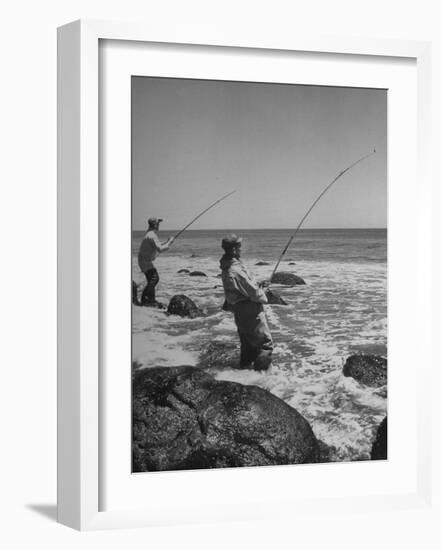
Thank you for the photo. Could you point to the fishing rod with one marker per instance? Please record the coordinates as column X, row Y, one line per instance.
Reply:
column 203, row 212
column 312, row 206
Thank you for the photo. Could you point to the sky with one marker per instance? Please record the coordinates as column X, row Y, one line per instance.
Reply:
column 276, row 145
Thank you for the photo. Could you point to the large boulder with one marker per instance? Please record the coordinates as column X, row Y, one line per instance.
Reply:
column 274, row 298
column 379, row 448
column 183, row 306
column 286, row 278
column 185, row 419
column 367, row 369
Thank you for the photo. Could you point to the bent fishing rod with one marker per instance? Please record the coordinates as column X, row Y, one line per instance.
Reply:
column 311, row 208
column 201, row 213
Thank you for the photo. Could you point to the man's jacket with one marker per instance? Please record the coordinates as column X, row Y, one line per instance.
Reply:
column 239, row 284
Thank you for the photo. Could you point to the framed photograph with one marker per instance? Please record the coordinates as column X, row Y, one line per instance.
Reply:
column 234, row 251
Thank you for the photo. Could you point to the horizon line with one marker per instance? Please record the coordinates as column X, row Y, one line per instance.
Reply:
column 268, row 228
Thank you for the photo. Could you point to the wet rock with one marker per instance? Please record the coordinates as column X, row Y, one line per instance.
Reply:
column 292, row 263
column 197, row 274
column 194, row 256
column 185, row 419
column 367, row 369
column 285, row 278
column 262, row 263
column 135, row 294
column 327, row 453
column 274, row 298
column 220, row 354
column 154, row 305
column 379, row 448
column 183, row 306
column 183, row 271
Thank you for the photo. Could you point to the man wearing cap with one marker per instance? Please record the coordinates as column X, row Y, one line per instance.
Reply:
column 245, row 298
column 149, row 249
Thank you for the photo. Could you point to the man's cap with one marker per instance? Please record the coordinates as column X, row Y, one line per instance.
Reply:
column 231, row 241
column 154, row 221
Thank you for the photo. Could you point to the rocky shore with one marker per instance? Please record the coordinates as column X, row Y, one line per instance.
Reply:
column 183, row 418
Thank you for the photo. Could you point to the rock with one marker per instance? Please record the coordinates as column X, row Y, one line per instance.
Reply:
column 185, row 419
column 197, row 274
column 183, row 306
column 285, row 278
column 327, row 453
column 135, row 294
column 183, row 271
column 194, row 256
column 154, row 305
column 220, row 354
column 367, row 369
column 262, row 263
column 292, row 263
column 379, row 448
column 274, row 298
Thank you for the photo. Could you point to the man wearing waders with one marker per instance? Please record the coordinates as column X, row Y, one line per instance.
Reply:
column 149, row 249
column 245, row 299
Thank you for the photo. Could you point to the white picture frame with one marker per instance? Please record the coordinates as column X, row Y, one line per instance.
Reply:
column 80, row 294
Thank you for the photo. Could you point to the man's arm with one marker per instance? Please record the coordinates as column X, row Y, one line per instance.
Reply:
column 250, row 289
column 161, row 247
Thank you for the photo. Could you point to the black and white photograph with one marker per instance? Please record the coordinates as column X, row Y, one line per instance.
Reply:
column 259, row 274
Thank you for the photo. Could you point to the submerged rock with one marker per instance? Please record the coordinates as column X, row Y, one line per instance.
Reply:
column 292, row 263
column 262, row 263
column 285, row 278
column 197, row 274
column 185, row 419
column 274, row 298
column 220, row 354
column 367, row 369
column 379, row 448
column 183, row 271
column 183, row 306
column 135, row 294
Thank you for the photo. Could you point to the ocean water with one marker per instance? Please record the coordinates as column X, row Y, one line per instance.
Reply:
column 340, row 311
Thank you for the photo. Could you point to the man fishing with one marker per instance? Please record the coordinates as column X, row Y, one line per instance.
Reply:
column 149, row 249
column 245, row 298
